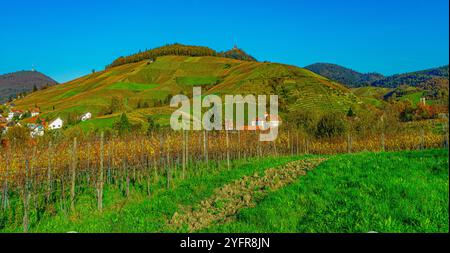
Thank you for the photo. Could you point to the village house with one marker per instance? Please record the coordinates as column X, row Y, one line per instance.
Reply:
column 36, row 126
column 268, row 121
column 3, row 128
column 36, row 130
column 55, row 124
column 14, row 113
column 86, row 116
column 10, row 124
column 35, row 112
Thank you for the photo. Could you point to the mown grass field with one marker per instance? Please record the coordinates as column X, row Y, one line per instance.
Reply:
column 384, row 192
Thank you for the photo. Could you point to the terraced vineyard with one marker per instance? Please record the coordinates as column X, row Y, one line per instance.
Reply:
column 152, row 83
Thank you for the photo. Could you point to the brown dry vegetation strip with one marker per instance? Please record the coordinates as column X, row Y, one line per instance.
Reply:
column 243, row 193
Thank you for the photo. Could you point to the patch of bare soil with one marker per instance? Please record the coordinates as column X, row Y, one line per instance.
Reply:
column 243, row 193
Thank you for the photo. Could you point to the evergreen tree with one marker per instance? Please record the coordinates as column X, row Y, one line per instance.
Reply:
column 350, row 113
column 122, row 126
column 152, row 125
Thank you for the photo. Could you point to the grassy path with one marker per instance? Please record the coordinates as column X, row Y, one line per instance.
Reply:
column 242, row 193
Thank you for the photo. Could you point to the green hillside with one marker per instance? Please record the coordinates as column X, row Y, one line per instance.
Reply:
column 372, row 95
column 145, row 88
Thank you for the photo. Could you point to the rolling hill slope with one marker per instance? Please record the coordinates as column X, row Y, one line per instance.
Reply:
column 145, row 87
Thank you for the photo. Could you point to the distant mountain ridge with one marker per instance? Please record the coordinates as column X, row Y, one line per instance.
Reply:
column 413, row 78
column 354, row 79
column 19, row 82
column 344, row 75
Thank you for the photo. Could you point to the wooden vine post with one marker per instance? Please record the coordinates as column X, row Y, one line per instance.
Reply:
column 49, row 171
column 228, row 149
column 205, row 148
column 26, row 199
column 184, row 153
column 187, row 149
column 100, row 177
column 5, row 184
column 349, row 143
column 73, row 174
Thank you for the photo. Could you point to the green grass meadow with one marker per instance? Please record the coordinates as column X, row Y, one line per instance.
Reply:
column 131, row 86
column 382, row 192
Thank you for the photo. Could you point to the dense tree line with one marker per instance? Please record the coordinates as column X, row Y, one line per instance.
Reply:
column 182, row 50
column 237, row 54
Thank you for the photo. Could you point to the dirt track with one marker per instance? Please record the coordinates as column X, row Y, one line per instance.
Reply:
column 245, row 192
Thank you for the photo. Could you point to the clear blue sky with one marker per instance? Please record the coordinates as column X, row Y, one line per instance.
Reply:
column 67, row 39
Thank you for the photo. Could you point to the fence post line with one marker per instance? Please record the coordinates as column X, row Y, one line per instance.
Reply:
column 275, row 147
column 73, row 176
column 289, row 142
column 49, row 171
column 446, row 134
column 100, row 183
column 26, row 199
column 127, row 178
column 184, row 153
column 5, row 183
column 306, row 145
column 205, row 150
column 239, row 144
column 349, row 143
column 422, row 144
column 168, row 166
column 88, row 165
column 31, row 180
column 228, row 148
column 187, row 149
column 383, row 145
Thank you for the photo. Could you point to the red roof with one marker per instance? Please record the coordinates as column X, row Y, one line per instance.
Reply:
column 34, row 120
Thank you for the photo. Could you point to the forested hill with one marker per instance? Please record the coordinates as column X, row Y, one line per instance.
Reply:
column 180, row 50
column 412, row 78
column 16, row 83
column 344, row 75
column 354, row 79
column 238, row 54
